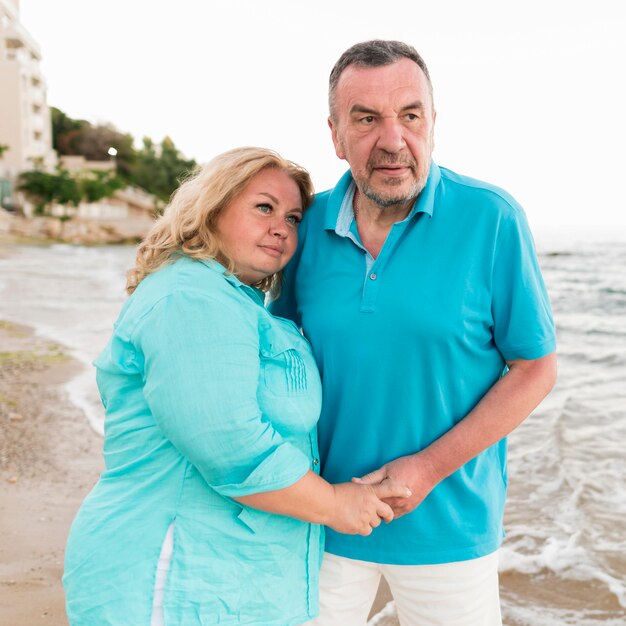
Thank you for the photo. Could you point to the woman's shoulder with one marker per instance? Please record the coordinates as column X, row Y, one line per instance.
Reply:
column 185, row 286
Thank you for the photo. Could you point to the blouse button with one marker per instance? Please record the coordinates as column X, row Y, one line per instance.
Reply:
column 372, row 276
column 316, row 461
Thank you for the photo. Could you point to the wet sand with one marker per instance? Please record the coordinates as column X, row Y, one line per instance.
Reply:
column 49, row 459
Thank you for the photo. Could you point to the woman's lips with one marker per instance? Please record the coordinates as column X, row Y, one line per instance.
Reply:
column 274, row 251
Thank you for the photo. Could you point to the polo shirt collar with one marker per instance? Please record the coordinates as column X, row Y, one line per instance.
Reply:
column 339, row 215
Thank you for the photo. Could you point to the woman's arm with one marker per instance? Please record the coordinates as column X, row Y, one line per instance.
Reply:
column 201, row 368
column 346, row 507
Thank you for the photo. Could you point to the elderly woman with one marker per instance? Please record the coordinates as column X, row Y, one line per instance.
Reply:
column 209, row 508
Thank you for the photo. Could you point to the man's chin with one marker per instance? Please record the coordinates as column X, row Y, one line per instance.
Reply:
column 385, row 198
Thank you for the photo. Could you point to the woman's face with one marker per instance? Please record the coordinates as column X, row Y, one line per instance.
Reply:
column 259, row 228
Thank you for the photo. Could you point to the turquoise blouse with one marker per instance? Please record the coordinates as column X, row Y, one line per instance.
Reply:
column 207, row 397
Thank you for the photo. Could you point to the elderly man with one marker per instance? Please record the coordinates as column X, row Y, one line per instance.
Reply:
column 421, row 294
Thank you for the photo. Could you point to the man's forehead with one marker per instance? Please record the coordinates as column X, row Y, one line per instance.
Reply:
column 404, row 74
column 405, row 79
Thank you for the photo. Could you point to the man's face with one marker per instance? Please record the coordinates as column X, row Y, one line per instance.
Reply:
column 382, row 125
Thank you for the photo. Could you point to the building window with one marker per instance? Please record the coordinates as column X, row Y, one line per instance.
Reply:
column 35, row 82
column 36, row 108
column 37, row 135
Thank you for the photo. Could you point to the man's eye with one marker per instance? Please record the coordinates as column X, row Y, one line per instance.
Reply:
column 368, row 119
column 294, row 219
column 411, row 117
column 264, row 208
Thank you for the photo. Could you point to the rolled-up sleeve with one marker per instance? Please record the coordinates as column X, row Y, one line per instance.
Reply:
column 200, row 359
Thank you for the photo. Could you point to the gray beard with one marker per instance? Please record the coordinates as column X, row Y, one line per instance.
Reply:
column 392, row 201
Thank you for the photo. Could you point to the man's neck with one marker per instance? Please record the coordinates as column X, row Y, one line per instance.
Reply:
column 374, row 222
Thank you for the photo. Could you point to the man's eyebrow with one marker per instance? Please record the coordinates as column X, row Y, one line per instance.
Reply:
column 360, row 108
column 418, row 104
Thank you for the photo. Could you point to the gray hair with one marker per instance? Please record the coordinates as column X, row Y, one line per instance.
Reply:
column 373, row 53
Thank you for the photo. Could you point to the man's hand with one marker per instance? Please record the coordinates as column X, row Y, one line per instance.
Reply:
column 414, row 472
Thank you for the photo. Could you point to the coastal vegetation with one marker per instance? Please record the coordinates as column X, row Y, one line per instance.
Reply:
column 155, row 167
column 67, row 189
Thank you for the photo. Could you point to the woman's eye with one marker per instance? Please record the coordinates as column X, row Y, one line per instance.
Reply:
column 264, row 208
column 294, row 219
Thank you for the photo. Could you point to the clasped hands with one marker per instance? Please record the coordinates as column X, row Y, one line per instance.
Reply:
column 393, row 490
column 412, row 472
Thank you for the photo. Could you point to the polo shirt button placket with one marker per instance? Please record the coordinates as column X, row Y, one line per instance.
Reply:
column 370, row 291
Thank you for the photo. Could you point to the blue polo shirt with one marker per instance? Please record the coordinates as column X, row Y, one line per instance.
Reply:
column 409, row 342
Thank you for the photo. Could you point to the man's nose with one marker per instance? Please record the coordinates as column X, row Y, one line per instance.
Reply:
column 391, row 138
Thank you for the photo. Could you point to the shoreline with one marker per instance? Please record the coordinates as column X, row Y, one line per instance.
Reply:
column 49, row 460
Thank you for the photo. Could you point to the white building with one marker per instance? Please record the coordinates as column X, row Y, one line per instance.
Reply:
column 25, row 125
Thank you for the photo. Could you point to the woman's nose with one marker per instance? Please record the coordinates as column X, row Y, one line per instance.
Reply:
column 278, row 228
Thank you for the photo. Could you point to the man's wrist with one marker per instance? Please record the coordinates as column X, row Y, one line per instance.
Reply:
column 427, row 469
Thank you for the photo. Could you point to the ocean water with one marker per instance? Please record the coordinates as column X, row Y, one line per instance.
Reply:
column 72, row 295
column 564, row 559
column 566, row 508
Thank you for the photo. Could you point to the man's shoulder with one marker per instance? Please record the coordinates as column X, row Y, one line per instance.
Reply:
column 322, row 197
column 319, row 205
column 316, row 216
column 326, row 204
column 478, row 192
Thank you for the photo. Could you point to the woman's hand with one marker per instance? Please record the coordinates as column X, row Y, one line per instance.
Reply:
column 349, row 508
column 359, row 508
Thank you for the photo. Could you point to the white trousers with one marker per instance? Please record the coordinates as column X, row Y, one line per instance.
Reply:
column 465, row 593
column 163, row 567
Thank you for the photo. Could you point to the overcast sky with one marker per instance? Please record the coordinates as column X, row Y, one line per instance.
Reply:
column 529, row 95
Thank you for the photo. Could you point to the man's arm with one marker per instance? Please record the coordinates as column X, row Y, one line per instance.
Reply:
column 504, row 407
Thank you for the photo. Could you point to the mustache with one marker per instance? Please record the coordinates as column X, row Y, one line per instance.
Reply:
column 390, row 160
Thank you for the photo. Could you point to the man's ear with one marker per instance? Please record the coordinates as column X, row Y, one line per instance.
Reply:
column 432, row 139
column 336, row 141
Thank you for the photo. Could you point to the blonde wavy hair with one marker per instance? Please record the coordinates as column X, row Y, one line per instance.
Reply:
column 188, row 225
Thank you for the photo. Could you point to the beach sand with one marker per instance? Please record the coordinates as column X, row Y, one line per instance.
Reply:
column 49, row 459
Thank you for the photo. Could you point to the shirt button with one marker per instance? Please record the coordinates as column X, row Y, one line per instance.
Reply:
column 372, row 276
column 316, row 461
